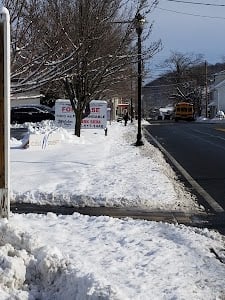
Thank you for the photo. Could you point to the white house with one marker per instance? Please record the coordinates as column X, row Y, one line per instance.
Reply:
column 217, row 92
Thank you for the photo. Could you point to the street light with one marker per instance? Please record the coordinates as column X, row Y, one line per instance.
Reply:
column 139, row 24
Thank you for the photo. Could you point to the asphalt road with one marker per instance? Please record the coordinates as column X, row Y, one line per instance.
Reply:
column 199, row 148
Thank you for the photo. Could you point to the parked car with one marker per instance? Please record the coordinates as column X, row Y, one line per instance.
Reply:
column 31, row 113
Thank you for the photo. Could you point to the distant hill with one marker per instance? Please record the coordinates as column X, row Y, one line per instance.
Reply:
column 157, row 93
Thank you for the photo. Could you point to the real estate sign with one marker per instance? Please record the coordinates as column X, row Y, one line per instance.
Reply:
column 65, row 116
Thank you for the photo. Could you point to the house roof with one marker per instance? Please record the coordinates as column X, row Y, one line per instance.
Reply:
column 220, row 84
column 213, row 103
column 14, row 97
column 219, row 73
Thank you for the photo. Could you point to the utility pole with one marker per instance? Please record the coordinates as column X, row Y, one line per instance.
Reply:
column 4, row 111
column 206, row 90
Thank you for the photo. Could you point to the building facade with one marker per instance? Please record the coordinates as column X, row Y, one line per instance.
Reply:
column 217, row 94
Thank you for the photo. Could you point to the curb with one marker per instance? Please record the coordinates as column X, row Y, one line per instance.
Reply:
column 199, row 219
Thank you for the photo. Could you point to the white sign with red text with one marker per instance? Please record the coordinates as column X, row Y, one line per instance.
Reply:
column 98, row 115
column 65, row 116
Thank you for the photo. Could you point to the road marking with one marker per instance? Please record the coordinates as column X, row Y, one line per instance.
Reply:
column 209, row 134
column 212, row 203
column 220, row 129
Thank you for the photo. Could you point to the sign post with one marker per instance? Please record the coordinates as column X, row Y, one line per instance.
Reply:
column 4, row 111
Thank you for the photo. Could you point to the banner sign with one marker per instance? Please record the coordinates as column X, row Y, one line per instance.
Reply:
column 98, row 115
column 65, row 116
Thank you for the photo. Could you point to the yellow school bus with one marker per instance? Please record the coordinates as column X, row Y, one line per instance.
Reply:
column 184, row 111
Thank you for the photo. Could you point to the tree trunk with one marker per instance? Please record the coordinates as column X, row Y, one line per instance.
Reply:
column 78, row 123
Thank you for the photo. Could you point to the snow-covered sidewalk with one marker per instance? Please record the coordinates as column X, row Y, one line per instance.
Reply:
column 97, row 170
column 80, row 257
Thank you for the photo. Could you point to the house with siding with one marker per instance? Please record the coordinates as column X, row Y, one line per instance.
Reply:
column 217, row 94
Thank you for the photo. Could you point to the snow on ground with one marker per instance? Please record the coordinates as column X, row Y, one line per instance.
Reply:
column 97, row 170
column 80, row 257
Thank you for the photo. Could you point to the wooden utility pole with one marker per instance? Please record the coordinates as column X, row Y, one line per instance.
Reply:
column 4, row 112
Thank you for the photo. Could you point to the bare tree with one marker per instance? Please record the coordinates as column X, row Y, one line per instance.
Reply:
column 34, row 60
column 78, row 42
column 104, row 50
column 181, row 63
column 186, row 71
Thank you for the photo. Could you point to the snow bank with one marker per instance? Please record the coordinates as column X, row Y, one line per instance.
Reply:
column 81, row 257
column 29, row 270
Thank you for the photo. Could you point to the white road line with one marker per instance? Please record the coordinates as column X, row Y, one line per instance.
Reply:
column 209, row 134
column 212, row 203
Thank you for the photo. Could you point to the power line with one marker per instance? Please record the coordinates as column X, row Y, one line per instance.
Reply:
column 166, row 85
column 198, row 3
column 189, row 14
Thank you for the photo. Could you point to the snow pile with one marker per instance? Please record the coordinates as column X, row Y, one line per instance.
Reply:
column 218, row 119
column 81, row 257
column 29, row 270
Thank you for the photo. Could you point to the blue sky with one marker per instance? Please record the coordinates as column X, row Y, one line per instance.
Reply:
column 177, row 25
